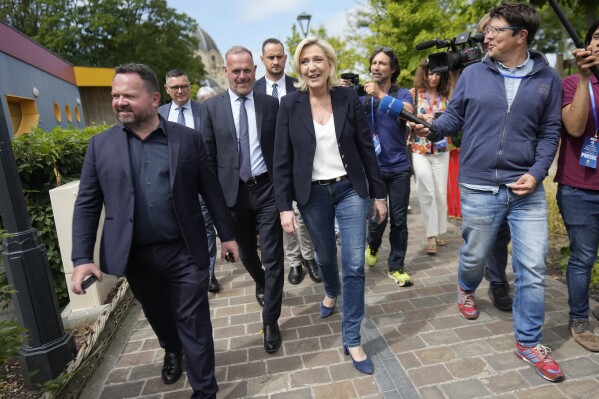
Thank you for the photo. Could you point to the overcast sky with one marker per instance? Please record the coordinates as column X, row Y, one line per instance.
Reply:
column 248, row 23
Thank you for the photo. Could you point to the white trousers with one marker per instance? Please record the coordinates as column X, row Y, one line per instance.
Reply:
column 431, row 178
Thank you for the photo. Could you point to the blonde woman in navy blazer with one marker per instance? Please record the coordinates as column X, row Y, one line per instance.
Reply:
column 324, row 159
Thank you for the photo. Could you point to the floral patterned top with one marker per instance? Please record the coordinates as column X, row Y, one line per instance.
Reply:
column 425, row 105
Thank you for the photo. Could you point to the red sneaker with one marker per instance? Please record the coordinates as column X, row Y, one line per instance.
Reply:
column 539, row 356
column 466, row 304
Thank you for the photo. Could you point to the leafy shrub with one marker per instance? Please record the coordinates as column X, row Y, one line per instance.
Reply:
column 45, row 161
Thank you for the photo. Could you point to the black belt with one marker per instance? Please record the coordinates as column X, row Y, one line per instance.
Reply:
column 325, row 182
column 255, row 180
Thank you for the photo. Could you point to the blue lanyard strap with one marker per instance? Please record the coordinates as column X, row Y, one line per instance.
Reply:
column 594, row 108
column 429, row 101
column 372, row 111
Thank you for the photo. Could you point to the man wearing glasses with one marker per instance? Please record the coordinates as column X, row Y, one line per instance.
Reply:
column 389, row 136
column 509, row 108
column 185, row 111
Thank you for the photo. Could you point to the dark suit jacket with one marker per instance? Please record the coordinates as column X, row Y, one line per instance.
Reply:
column 295, row 146
column 106, row 180
column 260, row 85
column 165, row 109
column 220, row 136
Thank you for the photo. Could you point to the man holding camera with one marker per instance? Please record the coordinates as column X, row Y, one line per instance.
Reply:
column 389, row 136
column 509, row 109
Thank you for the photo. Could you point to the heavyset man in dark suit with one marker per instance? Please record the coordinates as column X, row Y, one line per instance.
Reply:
column 238, row 127
column 186, row 112
column 147, row 173
column 298, row 248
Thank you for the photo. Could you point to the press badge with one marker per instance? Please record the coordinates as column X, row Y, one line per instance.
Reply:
column 377, row 144
column 590, row 150
column 441, row 144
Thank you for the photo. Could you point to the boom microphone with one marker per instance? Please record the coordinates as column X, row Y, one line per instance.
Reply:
column 394, row 108
column 478, row 37
column 425, row 45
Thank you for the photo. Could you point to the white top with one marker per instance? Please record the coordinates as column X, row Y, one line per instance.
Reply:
column 327, row 160
column 282, row 87
column 256, row 158
column 173, row 114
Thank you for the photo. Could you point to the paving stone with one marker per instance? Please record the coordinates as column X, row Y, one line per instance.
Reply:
column 509, row 381
column 466, row 368
column 337, row 390
column 134, row 359
column 304, row 393
column 118, row 376
column 429, row 375
column 120, row 391
column 448, row 322
column 579, row 389
column 580, row 367
column 435, row 355
column 245, row 371
column 365, row 386
column 231, row 357
column 154, row 385
column 308, row 377
column 301, row 346
column 321, row 358
column 145, row 371
column 181, row 394
column 543, row 392
column 232, row 390
column 431, row 393
column 471, row 388
column 407, row 344
column 503, row 361
column 438, row 338
column 413, row 328
column 286, row 363
column 408, row 360
column 314, row 331
column 267, row 384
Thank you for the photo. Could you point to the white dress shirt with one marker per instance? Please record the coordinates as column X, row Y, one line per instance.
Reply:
column 173, row 114
column 282, row 87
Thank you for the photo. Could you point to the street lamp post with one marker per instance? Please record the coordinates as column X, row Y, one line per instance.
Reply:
column 48, row 348
column 304, row 22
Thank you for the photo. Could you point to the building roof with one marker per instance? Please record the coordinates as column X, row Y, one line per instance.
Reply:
column 206, row 42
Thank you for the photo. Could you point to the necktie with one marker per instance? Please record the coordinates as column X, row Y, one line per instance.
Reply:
column 275, row 91
column 245, row 167
column 181, row 117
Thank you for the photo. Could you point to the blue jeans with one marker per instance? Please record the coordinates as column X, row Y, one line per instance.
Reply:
column 482, row 215
column 210, row 235
column 339, row 199
column 398, row 191
column 580, row 212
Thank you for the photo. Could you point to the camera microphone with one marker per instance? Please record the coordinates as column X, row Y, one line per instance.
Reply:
column 394, row 108
column 425, row 45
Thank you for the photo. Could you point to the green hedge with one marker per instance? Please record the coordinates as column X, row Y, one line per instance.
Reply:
column 47, row 160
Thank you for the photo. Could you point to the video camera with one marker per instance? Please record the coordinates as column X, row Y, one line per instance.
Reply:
column 354, row 80
column 464, row 51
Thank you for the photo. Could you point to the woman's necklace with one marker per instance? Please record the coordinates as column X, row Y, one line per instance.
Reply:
column 320, row 117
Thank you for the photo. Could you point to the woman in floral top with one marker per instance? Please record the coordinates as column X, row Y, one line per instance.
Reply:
column 431, row 159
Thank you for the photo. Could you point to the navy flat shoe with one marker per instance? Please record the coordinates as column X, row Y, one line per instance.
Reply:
column 326, row 311
column 365, row 366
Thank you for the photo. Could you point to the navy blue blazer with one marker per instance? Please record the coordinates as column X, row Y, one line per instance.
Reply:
column 106, row 180
column 165, row 109
column 260, row 85
column 295, row 145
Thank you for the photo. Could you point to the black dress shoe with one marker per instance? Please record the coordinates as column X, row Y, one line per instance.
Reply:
column 313, row 270
column 213, row 285
column 272, row 337
column 260, row 295
column 296, row 275
column 171, row 370
column 500, row 296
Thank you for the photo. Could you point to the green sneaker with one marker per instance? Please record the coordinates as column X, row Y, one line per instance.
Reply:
column 372, row 256
column 400, row 278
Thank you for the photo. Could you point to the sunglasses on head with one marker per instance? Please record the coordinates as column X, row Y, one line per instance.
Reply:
column 385, row 49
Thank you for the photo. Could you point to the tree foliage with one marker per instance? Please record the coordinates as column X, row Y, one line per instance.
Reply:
column 110, row 32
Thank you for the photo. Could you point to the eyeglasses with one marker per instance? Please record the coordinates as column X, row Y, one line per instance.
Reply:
column 384, row 49
column 495, row 29
column 177, row 88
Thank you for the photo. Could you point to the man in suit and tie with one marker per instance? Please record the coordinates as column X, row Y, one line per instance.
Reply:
column 298, row 248
column 186, row 112
column 238, row 127
column 147, row 173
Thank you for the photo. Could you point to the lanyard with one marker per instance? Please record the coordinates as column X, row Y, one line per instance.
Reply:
column 429, row 102
column 594, row 108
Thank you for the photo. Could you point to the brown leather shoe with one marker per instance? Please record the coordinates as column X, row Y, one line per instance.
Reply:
column 584, row 335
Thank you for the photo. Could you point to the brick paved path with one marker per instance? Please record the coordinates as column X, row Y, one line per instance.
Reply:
column 419, row 343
